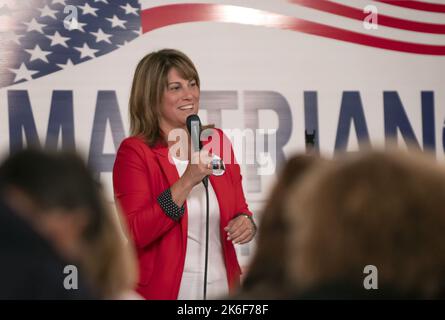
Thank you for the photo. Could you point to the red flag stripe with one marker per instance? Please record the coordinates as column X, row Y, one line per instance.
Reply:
column 384, row 20
column 417, row 5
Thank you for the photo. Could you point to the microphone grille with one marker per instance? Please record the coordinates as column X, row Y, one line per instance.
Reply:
column 192, row 118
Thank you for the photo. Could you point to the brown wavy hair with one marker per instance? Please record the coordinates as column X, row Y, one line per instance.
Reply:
column 266, row 276
column 149, row 83
column 385, row 209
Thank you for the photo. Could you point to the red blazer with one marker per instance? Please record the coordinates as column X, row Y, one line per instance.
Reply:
column 140, row 174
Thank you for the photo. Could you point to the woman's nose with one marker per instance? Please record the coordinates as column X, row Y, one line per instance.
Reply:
column 188, row 93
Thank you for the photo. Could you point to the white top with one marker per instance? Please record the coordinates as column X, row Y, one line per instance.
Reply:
column 193, row 276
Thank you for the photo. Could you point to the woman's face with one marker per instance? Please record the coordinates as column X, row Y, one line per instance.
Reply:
column 180, row 99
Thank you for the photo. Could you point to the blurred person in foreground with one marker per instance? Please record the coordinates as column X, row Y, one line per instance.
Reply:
column 374, row 209
column 266, row 277
column 30, row 268
column 57, row 195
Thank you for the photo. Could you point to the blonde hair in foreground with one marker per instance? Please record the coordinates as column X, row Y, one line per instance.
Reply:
column 385, row 209
column 109, row 259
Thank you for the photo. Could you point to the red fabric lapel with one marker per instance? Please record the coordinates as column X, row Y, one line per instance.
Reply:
column 168, row 167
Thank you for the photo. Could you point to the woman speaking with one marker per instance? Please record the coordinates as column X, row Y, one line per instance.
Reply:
column 161, row 193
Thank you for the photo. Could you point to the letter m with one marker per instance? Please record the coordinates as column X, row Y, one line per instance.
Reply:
column 21, row 121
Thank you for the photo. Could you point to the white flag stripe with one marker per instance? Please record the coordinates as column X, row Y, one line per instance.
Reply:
column 246, row 3
column 292, row 10
column 357, row 26
column 396, row 11
column 433, row 1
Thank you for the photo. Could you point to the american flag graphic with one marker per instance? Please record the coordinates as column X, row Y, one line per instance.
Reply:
column 36, row 39
column 39, row 37
column 404, row 26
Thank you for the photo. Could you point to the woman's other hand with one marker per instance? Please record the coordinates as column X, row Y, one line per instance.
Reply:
column 240, row 229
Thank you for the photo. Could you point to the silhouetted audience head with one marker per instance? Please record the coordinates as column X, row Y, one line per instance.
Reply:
column 266, row 277
column 30, row 268
column 56, row 193
column 382, row 209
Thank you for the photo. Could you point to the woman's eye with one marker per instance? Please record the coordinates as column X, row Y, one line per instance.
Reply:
column 175, row 88
column 193, row 84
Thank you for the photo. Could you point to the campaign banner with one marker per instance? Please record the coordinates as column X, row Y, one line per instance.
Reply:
column 353, row 73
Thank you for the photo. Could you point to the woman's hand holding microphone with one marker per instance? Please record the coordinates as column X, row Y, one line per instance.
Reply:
column 198, row 168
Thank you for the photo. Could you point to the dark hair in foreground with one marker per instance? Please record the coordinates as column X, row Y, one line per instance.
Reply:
column 61, row 181
column 55, row 180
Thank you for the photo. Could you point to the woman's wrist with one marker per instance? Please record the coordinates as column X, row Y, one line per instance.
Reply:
column 180, row 190
column 171, row 209
column 185, row 184
column 248, row 216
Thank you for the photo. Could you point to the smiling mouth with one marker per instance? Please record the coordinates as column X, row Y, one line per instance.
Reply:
column 187, row 107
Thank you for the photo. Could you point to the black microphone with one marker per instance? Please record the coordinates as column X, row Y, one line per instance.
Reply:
column 194, row 128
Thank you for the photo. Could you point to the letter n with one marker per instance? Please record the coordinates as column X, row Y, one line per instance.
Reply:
column 396, row 118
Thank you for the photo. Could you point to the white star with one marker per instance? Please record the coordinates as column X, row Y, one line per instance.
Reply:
column 34, row 25
column 104, row 1
column 86, row 51
column 68, row 64
column 102, row 36
column 12, row 36
column 116, row 22
column 86, row 9
column 80, row 26
column 129, row 9
column 56, row 39
column 47, row 11
column 74, row 25
column 62, row 2
column 23, row 73
column 38, row 53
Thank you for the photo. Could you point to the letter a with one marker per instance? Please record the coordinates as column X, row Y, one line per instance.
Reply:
column 371, row 280
column 371, row 21
column 71, row 280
